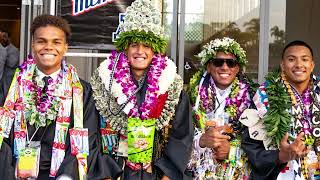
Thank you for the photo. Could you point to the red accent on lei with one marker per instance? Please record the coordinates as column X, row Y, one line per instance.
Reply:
column 157, row 109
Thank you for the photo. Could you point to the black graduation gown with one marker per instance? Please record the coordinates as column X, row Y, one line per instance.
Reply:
column 178, row 149
column 99, row 166
column 263, row 162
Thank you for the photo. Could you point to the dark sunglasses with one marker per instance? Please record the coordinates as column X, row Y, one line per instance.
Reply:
column 218, row 62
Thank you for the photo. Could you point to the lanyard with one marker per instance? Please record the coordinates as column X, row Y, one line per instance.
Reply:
column 35, row 132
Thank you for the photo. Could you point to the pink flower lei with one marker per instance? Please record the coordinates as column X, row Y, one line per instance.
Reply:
column 123, row 77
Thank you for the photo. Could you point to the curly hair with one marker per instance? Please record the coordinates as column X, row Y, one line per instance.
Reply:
column 49, row 20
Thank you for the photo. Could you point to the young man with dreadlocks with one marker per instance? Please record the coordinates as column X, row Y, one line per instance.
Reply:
column 220, row 92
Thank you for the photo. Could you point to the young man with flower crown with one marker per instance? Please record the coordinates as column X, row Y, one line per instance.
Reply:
column 146, row 124
column 46, row 132
column 220, row 92
column 282, row 138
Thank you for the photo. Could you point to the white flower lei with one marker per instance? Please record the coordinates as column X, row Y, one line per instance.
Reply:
column 168, row 81
column 165, row 80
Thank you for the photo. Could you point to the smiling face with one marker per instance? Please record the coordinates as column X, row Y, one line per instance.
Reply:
column 49, row 46
column 297, row 64
column 140, row 57
column 223, row 76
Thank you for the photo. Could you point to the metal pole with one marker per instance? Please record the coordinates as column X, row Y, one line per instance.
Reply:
column 23, row 32
column 53, row 7
column 181, row 38
column 264, row 40
column 174, row 30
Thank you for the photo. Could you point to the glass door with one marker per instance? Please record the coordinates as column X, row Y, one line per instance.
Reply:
column 206, row 20
column 29, row 10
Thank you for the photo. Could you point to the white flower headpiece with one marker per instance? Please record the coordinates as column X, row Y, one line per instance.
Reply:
column 142, row 23
column 226, row 45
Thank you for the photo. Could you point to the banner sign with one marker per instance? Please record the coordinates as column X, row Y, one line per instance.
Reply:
column 94, row 23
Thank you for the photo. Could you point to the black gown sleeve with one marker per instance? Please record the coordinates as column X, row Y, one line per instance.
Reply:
column 99, row 166
column 177, row 152
column 7, row 166
column 4, row 88
column 263, row 162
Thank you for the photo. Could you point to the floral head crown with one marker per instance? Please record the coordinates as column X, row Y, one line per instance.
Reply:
column 142, row 24
column 226, row 45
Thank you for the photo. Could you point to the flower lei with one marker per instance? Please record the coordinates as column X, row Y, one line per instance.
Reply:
column 124, row 78
column 307, row 99
column 277, row 120
column 163, row 91
column 17, row 107
column 40, row 110
column 237, row 101
column 202, row 163
column 37, row 109
column 226, row 45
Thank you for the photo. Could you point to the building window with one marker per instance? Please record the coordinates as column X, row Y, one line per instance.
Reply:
column 206, row 20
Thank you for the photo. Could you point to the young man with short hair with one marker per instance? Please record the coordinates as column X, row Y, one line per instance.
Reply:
column 49, row 124
column 146, row 125
column 286, row 120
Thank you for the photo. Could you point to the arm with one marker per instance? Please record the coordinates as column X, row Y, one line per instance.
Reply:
column 3, row 57
column 176, row 155
column 264, row 163
column 13, row 56
column 7, row 165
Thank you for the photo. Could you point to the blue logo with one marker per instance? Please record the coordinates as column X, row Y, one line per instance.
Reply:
column 121, row 20
column 82, row 6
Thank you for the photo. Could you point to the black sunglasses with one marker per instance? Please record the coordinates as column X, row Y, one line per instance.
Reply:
column 218, row 62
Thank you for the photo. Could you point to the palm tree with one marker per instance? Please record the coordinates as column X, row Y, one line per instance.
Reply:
column 278, row 34
column 253, row 28
column 275, row 32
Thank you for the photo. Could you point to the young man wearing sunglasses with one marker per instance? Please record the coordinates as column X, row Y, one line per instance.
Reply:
column 220, row 92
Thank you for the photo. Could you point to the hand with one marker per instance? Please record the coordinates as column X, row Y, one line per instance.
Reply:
column 292, row 151
column 164, row 177
column 213, row 138
column 222, row 152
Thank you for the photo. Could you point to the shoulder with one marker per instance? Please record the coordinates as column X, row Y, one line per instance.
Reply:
column 12, row 49
column 86, row 85
column 3, row 52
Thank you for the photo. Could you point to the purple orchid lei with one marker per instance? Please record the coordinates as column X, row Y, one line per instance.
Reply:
column 123, row 77
column 236, row 102
column 207, row 95
column 238, row 99
column 39, row 106
column 305, row 100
